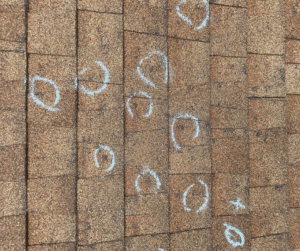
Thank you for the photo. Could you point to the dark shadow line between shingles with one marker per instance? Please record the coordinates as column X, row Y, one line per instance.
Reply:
column 15, row 51
column 100, row 177
column 102, row 242
column 210, row 136
column 53, row 55
column 225, row 5
column 76, row 130
column 230, row 215
column 124, row 129
column 292, row 38
column 225, row 56
column 168, row 233
column 14, row 41
column 274, row 97
column 164, row 36
column 101, row 12
column 291, row 63
column 26, row 6
column 144, row 195
column 151, row 130
column 13, row 215
column 55, row 176
column 270, row 235
column 179, row 174
column 50, row 244
column 269, row 186
column 265, row 54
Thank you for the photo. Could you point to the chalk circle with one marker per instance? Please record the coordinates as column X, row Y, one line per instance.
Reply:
column 203, row 206
column 187, row 20
column 183, row 116
column 105, row 148
column 38, row 101
column 160, row 249
column 229, row 235
column 165, row 60
column 146, row 96
column 154, row 175
column 102, row 88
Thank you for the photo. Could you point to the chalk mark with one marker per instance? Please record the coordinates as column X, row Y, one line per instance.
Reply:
column 184, row 116
column 150, row 54
column 203, row 206
column 237, row 204
column 106, row 80
column 228, row 235
column 24, row 84
column 38, row 101
column 186, row 208
column 76, row 79
column 145, row 95
column 105, row 148
column 187, row 20
column 154, row 175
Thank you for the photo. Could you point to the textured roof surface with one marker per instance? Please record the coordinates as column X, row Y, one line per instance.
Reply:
column 149, row 125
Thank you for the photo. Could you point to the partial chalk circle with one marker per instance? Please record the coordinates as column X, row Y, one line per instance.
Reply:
column 160, row 249
column 186, row 208
column 183, row 17
column 183, row 116
column 154, row 175
column 146, row 96
column 206, row 196
column 38, row 101
column 76, row 79
column 24, row 84
column 105, row 148
column 105, row 81
column 203, row 206
column 187, row 20
column 229, row 236
column 165, row 60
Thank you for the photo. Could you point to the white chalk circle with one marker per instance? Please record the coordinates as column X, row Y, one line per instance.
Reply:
column 105, row 148
column 154, row 175
column 203, row 206
column 165, row 60
column 146, row 96
column 102, row 88
column 160, row 249
column 183, row 116
column 229, row 235
column 187, row 20
column 39, row 102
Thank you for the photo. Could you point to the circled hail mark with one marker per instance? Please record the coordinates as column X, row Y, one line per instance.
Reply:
column 105, row 81
column 105, row 148
column 228, row 235
column 146, row 96
column 187, row 20
column 32, row 95
column 203, row 206
column 150, row 54
column 184, row 116
column 154, row 175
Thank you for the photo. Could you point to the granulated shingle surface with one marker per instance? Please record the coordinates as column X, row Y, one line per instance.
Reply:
column 153, row 125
